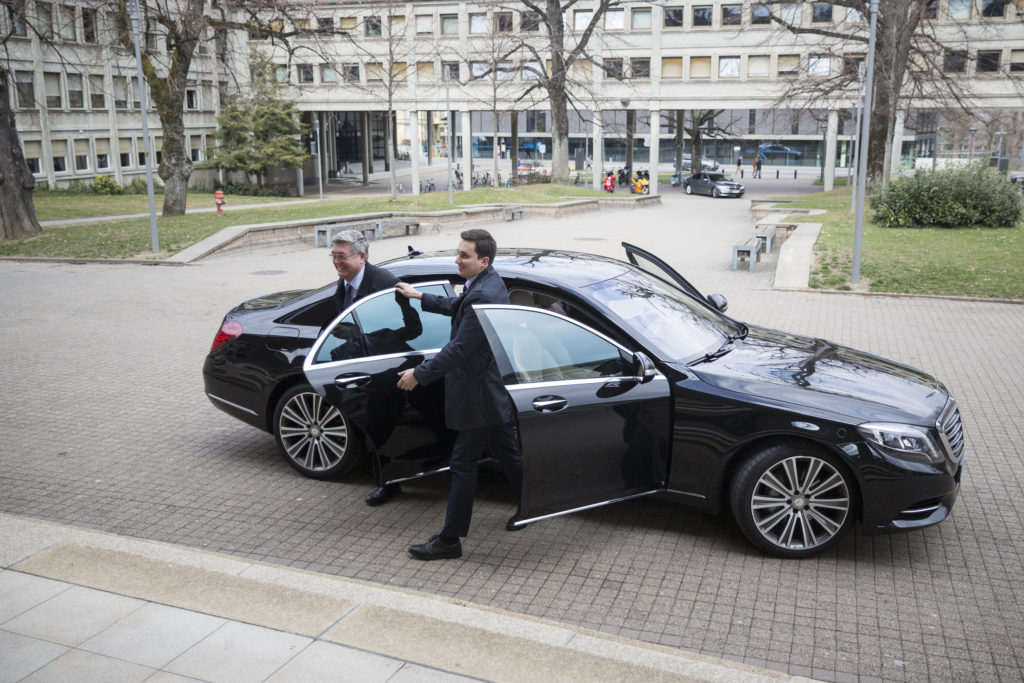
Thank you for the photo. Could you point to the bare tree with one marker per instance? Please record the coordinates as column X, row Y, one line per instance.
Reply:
column 916, row 59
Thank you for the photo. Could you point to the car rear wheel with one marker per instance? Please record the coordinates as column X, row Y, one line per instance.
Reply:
column 313, row 436
column 792, row 500
column 688, row 188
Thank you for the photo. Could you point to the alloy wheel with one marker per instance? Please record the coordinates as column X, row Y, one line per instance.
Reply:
column 313, row 434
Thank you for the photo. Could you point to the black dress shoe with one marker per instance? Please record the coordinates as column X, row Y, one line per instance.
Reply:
column 383, row 494
column 436, row 549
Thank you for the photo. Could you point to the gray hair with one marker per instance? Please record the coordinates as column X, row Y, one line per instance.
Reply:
column 354, row 237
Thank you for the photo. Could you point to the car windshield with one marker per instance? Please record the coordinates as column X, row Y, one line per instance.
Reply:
column 673, row 324
column 718, row 177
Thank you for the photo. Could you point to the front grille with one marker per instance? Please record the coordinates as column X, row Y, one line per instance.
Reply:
column 952, row 430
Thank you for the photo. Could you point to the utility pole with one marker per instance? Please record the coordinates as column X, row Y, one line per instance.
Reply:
column 865, row 137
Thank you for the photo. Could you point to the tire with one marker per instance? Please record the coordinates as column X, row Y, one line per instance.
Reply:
column 313, row 436
column 715, row 193
column 647, row 189
column 688, row 188
column 792, row 500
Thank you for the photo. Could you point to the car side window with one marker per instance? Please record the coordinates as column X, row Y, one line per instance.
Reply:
column 545, row 348
column 383, row 324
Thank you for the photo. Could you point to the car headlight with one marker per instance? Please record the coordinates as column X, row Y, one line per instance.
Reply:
column 902, row 441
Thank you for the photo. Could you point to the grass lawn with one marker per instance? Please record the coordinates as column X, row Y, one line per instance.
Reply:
column 130, row 237
column 61, row 205
column 977, row 262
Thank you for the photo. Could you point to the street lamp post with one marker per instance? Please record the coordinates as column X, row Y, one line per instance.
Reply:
column 862, row 156
column 999, row 148
column 970, row 144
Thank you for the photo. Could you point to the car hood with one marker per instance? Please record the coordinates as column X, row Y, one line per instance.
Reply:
column 270, row 300
column 826, row 378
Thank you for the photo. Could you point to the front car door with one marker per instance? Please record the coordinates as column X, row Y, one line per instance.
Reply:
column 648, row 262
column 354, row 365
column 593, row 418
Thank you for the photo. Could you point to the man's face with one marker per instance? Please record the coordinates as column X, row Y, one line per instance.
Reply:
column 470, row 265
column 347, row 263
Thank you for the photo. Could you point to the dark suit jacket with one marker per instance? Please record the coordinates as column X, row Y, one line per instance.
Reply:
column 474, row 395
column 374, row 280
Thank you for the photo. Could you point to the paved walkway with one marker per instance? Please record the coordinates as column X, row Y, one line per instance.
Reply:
column 106, row 429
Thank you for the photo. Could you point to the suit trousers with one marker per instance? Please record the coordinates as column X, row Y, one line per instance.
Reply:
column 500, row 442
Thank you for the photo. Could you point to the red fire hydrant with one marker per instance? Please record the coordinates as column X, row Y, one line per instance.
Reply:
column 218, row 199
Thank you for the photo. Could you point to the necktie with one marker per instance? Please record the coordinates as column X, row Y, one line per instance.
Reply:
column 350, row 294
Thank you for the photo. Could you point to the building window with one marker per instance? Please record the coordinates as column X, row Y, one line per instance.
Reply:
column 325, row 25
column 931, row 9
column 136, row 93
column 477, row 69
column 424, row 25
column 759, row 66
column 960, row 9
column 671, row 68
column 76, row 95
column 819, row 66
column 348, row 25
column 988, row 62
column 702, row 16
column 140, row 147
column 478, row 23
column 120, row 92
column 81, row 155
column 24, row 86
column 281, row 73
column 451, row 71
column 581, row 19
column 700, row 67
column 954, row 62
column 97, row 98
column 789, row 66
column 102, row 154
column 993, row 9
column 732, row 15
column 60, row 155
column 44, row 20
column 1017, row 61
column 51, row 86
column 88, row 25
column 614, row 20
column 613, row 68
column 728, row 67
column 503, row 22
column 529, row 22
column 449, row 25
column 855, row 16
column 790, row 14
column 195, row 145
column 350, row 73
column 374, row 72
column 851, row 65
column 328, row 74
column 191, row 99
column 32, row 154
column 67, row 23
column 372, row 26
column 158, row 150
column 640, row 68
column 16, row 22
column 305, row 73
column 640, row 20
column 506, row 71
column 760, row 14
column 124, row 149
column 821, row 13
column 531, row 71
column 673, row 17
column 425, row 72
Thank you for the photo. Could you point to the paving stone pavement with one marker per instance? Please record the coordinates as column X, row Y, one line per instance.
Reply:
column 106, row 426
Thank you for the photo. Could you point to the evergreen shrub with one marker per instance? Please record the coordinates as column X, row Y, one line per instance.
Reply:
column 104, row 184
column 949, row 198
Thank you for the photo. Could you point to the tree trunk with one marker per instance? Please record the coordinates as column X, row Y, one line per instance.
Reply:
column 630, row 126
column 679, row 140
column 494, row 145
column 515, row 146
column 17, row 212
column 559, row 137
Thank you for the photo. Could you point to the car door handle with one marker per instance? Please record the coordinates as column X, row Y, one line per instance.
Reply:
column 352, row 381
column 549, row 404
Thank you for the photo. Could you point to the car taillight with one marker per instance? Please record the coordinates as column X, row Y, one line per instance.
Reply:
column 229, row 330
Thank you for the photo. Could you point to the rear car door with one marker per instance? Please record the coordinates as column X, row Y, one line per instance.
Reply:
column 354, row 365
column 593, row 418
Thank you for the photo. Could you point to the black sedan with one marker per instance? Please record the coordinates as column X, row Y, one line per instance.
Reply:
column 713, row 185
column 627, row 382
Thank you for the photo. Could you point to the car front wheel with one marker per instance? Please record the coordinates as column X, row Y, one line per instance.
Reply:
column 792, row 500
column 715, row 193
column 313, row 436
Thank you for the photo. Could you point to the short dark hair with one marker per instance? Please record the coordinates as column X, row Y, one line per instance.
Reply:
column 483, row 242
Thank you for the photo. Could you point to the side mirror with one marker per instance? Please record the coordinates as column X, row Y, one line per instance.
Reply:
column 643, row 368
column 718, row 302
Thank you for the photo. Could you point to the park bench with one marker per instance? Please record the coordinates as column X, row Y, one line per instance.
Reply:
column 775, row 222
column 373, row 229
column 766, row 237
column 749, row 250
column 511, row 213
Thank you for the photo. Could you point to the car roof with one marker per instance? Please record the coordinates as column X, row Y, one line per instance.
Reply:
column 544, row 266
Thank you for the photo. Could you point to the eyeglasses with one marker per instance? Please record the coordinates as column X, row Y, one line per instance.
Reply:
column 340, row 257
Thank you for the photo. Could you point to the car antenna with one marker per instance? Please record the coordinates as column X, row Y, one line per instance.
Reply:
column 413, row 253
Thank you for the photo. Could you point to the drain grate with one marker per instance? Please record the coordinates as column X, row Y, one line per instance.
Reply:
column 268, row 272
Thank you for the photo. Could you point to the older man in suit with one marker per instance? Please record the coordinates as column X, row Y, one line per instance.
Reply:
column 476, row 403
column 358, row 278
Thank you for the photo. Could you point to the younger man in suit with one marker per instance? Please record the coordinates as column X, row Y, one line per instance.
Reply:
column 476, row 403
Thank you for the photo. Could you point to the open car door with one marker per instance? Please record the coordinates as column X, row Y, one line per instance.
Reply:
column 650, row 263
column 354, row 365
column 593, row 418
